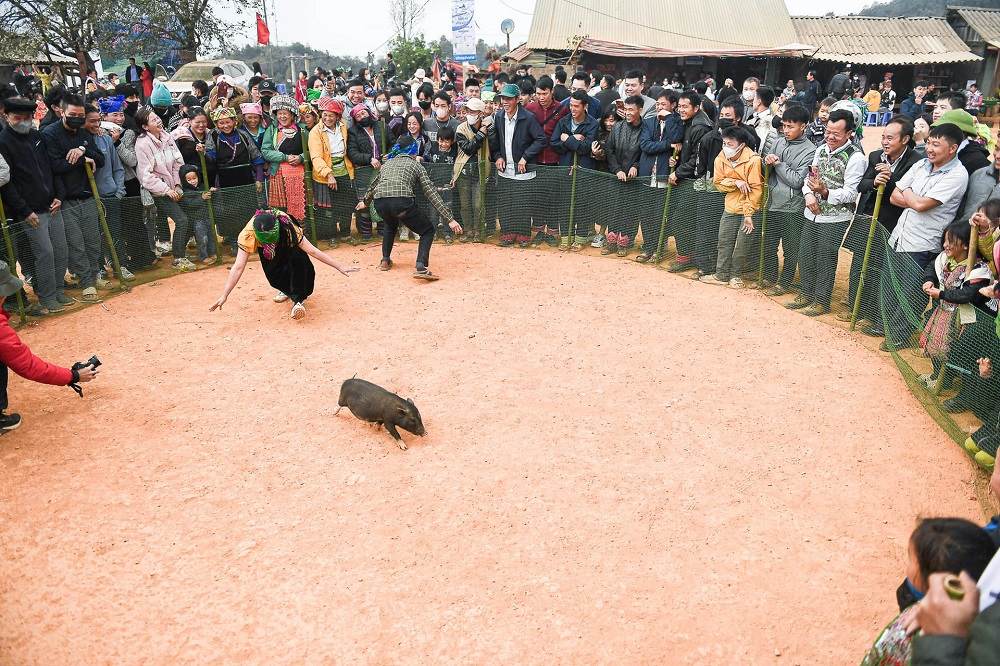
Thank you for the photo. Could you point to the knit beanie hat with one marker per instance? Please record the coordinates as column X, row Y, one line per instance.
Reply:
column 160, row 96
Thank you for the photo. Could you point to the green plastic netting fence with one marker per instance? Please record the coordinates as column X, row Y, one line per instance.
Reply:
column 847, row 269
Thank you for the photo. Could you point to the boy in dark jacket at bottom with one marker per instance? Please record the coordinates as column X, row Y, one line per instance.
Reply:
column 195, row 206
column 440, row 159
column 16, row 356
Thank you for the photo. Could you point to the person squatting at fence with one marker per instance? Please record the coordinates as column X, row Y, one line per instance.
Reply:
column 15, row 355
column 392, row 193
column 284, row 253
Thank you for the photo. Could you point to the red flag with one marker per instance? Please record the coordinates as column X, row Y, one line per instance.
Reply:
column 263, row 34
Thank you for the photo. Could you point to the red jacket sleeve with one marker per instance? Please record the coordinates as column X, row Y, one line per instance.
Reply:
column 16, row 356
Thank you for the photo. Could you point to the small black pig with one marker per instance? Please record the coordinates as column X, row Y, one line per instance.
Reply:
column 374, row 404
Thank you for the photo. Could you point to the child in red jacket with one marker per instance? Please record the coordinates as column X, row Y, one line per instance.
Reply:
column 15, row 355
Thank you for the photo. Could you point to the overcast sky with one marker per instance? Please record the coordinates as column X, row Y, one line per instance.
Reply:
column 366, row 26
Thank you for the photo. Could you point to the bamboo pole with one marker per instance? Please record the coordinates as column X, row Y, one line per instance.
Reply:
column 571, row 222
column 307, row 183
column 763, row 224
column 11, row 262
column 211, row 209
column 868, row 252
column 658, row 257
column 103, row 218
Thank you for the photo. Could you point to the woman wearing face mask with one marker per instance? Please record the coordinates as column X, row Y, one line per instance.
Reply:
column 473, row 154
column 158, row 163
column 364, row 147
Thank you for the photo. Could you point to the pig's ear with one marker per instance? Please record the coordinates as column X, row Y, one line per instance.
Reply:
column 410, row 401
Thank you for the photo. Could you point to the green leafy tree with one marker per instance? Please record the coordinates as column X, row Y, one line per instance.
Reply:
column 411, row 54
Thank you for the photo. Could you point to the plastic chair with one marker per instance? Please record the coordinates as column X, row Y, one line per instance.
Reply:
column 871, row 119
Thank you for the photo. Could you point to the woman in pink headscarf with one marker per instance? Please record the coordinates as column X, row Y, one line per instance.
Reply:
column 252, row 121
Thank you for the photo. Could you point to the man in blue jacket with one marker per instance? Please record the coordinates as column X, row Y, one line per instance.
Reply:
column 914, row 105
column 661, row 135
column 514, row 148
column 572, row 139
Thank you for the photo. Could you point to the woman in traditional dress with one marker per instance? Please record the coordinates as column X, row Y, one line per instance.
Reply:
column 284, row 255
column 283, row 150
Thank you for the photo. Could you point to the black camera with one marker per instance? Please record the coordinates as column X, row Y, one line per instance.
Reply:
column 93, row 361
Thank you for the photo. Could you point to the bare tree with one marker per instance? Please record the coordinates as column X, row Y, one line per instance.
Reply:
column 195, row 25
column 405, row 15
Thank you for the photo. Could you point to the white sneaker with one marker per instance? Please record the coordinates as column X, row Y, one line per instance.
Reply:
column 183, row 265
column 598, row 241
column 298, row 311
column 163, row 246
column 280, row 297
column 101, row 283
column 127, row 275
column 89, row 295
column 737, row 283
column 710, row 278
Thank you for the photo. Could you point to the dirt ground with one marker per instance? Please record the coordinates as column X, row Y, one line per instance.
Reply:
column 621, row 466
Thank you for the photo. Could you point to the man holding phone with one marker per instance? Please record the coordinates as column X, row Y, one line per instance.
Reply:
column 16, row 356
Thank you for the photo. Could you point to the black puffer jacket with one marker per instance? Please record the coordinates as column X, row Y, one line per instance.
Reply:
column 622, row 147
column 695, row 130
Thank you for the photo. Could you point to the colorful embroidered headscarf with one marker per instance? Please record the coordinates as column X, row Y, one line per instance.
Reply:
column 223, row 112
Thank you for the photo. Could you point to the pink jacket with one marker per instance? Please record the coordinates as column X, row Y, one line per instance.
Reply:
column 158, row 163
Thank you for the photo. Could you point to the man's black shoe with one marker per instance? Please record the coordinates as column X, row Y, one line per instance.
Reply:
column 9, row 422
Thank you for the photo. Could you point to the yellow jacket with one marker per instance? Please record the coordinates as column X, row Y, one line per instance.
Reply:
column 873, row 99
column 319, row 152
column 747, row 167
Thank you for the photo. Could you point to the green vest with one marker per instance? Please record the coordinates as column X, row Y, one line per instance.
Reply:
column 831, row 172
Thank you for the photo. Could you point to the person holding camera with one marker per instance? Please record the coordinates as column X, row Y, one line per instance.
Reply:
column 16, row 356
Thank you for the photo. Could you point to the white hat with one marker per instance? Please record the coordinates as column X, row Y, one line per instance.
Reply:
column 475, row 104
column 420, row 74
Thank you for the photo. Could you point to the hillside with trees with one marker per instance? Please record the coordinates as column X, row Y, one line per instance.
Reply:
column 922, row 7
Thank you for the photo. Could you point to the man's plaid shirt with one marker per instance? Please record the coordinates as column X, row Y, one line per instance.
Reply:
column 397, row 177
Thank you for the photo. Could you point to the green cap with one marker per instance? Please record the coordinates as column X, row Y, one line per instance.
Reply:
column 487, row 95
column 510, row 90
column 961, row 119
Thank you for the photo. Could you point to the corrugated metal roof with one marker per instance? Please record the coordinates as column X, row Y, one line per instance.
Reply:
column 984, row 21
column 679, row 25
column 876, row 40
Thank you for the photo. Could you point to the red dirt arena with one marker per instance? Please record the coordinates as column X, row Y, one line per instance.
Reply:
column 621, row 466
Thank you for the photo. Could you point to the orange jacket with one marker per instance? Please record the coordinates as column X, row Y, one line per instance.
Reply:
column 746, row 167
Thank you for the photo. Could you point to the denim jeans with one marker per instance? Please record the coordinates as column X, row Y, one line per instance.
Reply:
column 205, row 237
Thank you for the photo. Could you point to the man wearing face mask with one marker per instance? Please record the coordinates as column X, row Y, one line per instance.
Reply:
column 397, row 114
column 424, row 94
column 30, row 198
column 441, row 106
column 69, row 148
column 472, row 137
column 750, row 86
